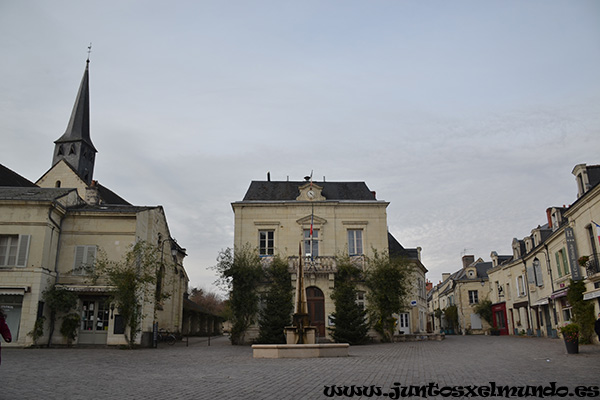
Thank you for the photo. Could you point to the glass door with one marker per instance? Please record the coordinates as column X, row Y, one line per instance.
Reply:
column 94, row 321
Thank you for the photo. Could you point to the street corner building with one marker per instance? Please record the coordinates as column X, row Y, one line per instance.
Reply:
column 326, row 219
column 528, row 289
column 53, row 230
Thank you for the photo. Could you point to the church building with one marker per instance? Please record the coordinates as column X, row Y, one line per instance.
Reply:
column 53, row 230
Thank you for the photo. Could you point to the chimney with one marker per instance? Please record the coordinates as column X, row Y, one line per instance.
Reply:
column 445, row 276
column 374, row 194
column 268, row 176
column 494, row 257
column 91, row 194
column 468, row 260
column 549, row 216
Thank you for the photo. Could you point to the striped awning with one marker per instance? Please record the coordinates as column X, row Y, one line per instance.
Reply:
column 86, row 288
column 592, row 294
column 14, row 290
column 540, row 302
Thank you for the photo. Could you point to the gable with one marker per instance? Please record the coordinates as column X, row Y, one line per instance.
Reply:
column 63, row 175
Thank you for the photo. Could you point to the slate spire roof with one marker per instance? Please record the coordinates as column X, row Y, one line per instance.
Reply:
column 79, row 124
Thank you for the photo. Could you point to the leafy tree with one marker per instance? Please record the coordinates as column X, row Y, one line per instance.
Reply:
column 484, row 310
column 278, row 304
column 451, row 314
column 59, row 301
column 350, row 319
column 583, row 311
column 133, row 279
column 211, row 301
column 240, row 272
column 69, row 327
column 388, row 280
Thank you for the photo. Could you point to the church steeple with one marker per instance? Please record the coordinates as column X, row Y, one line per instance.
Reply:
column 75, row 145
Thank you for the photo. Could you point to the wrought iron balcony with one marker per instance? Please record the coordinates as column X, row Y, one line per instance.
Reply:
column 592, row 266
column 322, row 264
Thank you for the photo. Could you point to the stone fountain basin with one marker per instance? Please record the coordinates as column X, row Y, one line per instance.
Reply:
column 300, row 350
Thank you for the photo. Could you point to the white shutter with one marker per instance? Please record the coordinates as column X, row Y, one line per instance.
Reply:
column 90, row 257
column 23, row 251
column 79, row 257
column 538, row 275
column 530, row 276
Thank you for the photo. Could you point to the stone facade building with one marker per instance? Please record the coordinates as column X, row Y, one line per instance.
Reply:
column 464, row 289
column 346, row 219
column 51, row 229
column 529, row 290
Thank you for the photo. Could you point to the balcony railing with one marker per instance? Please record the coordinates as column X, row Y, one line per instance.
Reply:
column 322, row 264
column 592, row 266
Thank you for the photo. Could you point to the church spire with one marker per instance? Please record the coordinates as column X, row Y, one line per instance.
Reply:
column 75, row 145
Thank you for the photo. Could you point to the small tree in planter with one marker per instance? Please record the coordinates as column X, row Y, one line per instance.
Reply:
column 570, row 334
column 583, row 311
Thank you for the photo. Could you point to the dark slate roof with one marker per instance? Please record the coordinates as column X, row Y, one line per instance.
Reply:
column 10, row 178
column 110, row 197
column 32, row 193
column 288, row 190
column 79, row 123
column 481, row 268
column 397, row 250
column 119, row 208
column 593, row 173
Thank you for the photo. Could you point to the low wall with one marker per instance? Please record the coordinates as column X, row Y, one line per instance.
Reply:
column 416, row 337
column 300, row 350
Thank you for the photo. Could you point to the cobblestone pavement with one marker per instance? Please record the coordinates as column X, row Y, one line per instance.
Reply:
column 222, row 371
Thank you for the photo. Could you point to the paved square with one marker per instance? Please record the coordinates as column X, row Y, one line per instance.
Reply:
column 222, row 371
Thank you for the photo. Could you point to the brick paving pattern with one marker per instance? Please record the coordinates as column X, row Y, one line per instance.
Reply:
column 222, row 371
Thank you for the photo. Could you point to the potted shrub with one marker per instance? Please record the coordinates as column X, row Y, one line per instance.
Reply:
column 570, row 334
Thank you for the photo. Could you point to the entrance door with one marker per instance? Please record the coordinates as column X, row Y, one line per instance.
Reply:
column 499, row 318
column 316, row 308
column 11, row 306
column 403, row 323
column 546, row 313
column 94, row 321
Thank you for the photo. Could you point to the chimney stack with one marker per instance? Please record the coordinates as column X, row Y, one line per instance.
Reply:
column 468, row 260
column 91, row 194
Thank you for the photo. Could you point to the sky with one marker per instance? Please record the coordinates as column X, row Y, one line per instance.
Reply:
column 467, row 116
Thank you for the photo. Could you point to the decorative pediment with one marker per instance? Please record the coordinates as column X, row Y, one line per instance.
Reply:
column 310, row 192
column 316, row 220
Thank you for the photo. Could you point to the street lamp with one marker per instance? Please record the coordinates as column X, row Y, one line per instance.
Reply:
column 159, row 279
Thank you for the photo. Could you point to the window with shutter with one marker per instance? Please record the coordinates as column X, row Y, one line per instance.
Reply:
column 539, row 280
column 14, row 250
column 85, row 256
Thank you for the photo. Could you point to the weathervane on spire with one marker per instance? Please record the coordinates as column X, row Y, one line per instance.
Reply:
column 89, row 51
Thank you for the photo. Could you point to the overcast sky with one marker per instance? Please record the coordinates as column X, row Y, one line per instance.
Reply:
column 467, row 116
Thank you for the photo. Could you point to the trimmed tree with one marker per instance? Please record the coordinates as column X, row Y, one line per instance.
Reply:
column 59, row 301
column 277, row 308
column 133, row 279
column 484, row 310
column 388, row 280
column 240, row 272
column 583, row 311
column 351, row 325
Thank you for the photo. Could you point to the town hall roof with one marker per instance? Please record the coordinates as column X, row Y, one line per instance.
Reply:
column 289, row 190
